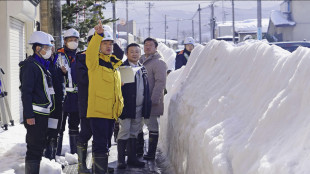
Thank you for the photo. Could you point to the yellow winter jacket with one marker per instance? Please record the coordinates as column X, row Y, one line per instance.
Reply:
column 105, row 98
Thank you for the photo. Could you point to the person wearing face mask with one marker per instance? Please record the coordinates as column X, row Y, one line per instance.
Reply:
column 56, row 115
column 105, row 100
column 70, row 105
column 37, row 96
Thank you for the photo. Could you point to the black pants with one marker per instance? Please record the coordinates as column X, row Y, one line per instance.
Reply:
column 36, row 137
column 102, row 130
column 85, row 132
column 73, row 121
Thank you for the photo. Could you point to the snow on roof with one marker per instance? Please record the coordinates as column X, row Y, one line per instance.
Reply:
column 249, row 25
column 278, row 19
column 171, row 42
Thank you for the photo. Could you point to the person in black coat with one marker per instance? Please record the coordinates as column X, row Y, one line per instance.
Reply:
column 37, row 95
column 137, row 104
column 182, row 56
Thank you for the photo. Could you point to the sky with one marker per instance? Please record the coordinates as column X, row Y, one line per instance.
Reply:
column 184, row 11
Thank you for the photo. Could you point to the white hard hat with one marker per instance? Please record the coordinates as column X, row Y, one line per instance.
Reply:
column 39, row 37
column 107, row 28
column 189, row 40
column 107, row 36
column 51, row 37
column 91, row 32
column 71, row 33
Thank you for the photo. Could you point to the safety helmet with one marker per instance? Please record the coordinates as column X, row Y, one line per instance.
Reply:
column 72, row 33
column 39, row 37
column 189, row 40
column 105, row 27
column 107, row 36
column 91, row 32
column 51, row 37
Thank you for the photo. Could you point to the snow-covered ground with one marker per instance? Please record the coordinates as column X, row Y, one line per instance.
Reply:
column 13, row 151
column 238, row 110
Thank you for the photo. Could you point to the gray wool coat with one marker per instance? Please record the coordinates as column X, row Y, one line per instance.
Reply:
column 157, row 73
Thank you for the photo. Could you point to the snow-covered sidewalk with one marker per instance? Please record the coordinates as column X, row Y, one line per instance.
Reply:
column 13, row 151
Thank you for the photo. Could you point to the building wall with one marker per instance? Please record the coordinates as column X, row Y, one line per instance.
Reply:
column 300, row 14
column 131, row 27
column 24, row 12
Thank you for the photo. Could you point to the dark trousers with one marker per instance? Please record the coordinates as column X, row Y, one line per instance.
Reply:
column 73, row 121
column 36, row 137
column 102, row 130
column 85, row 132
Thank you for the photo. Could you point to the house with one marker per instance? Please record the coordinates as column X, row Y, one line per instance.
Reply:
column 243, row 29
column 291, row 22
column 18, row 21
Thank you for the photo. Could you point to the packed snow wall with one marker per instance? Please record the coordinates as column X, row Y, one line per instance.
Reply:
column 238, row 110
column 168, row 54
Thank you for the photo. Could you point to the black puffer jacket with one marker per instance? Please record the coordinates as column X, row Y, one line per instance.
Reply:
column 82, row 81
column 32, row 86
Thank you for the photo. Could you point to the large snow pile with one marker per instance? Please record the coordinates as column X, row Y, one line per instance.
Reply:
column 169, row 55
column 239, row 110
column 13, row 151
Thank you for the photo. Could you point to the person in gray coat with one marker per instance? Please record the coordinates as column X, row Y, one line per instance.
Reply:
column 157, row 74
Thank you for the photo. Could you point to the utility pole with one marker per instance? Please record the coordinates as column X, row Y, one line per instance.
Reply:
column 57, row 21
column 149, row 7
column 127, row 24
column 233, row 19
column 212, row 21
column 193, row 34
column 259, row 20
column 178, row 30
column 199, row 9
column 114, row 17
column 166, row 29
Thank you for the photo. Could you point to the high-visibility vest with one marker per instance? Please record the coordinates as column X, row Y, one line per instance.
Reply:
column 70, row 85
column 45, row 109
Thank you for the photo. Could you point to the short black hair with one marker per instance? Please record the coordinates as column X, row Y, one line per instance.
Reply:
column 132, row 45
column 151, row 39
column 34, row 47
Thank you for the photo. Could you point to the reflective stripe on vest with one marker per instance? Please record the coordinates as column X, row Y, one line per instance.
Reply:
column 75, row 89
column 48, row 92
column 70, row 87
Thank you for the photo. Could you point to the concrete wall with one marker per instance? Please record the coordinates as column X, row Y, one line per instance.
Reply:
column 300, row 14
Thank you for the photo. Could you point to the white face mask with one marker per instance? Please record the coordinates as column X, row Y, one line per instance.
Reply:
column 72, row 45
column 47, row 54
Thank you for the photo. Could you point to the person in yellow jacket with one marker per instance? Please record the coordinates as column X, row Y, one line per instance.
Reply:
column 105, row 100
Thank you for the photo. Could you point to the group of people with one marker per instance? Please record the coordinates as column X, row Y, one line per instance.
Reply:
column 86, row 87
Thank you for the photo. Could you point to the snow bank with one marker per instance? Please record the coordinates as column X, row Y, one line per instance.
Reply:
column 169, row 55
column 238, row 110
column 13, row 151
